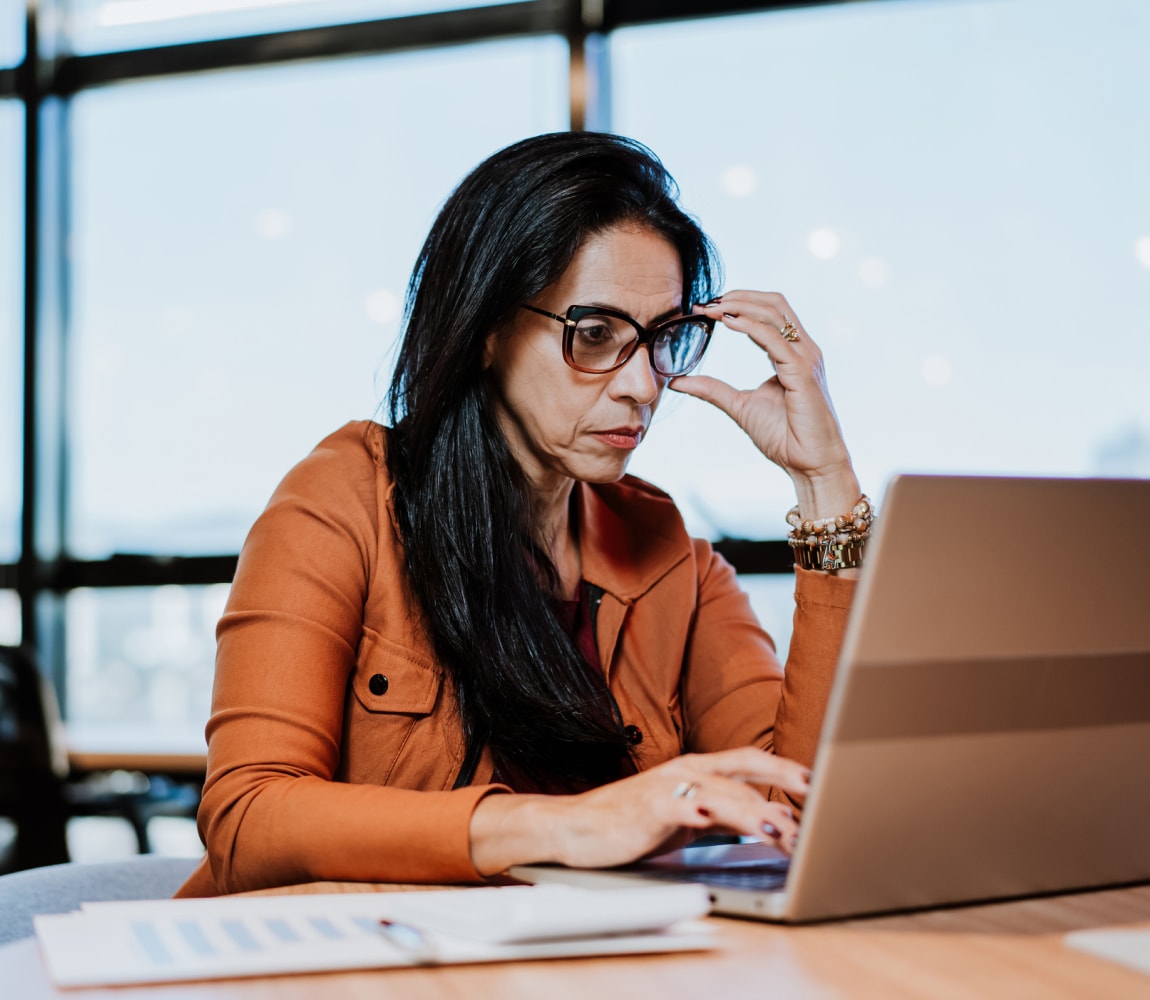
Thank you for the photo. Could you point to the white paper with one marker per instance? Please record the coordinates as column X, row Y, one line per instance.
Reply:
column 168, row 940
column 517, row 915
column 1123, row 945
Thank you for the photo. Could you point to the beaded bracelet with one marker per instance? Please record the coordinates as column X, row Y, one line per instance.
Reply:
column 832, row 543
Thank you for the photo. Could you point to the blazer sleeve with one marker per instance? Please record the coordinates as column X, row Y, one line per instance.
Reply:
column 735, row 691
column 822, row 602
column 272, row 813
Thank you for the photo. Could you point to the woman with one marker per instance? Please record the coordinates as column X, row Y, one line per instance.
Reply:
column 476, row 601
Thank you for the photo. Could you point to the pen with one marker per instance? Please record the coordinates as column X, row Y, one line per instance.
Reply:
column 410, row 940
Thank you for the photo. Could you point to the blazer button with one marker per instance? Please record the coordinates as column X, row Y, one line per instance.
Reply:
column 633, row 735
column 378, row 684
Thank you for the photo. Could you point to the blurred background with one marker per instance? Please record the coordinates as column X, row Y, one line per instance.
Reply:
column 209, row 210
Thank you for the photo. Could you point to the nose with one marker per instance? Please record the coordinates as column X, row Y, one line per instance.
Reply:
column 637, row 379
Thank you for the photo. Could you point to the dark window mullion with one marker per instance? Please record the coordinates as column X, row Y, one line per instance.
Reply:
column 746, row 555
column 137, row 571
column 618, row 13
column 756, row 556
column 419, row 31
column 29, row 86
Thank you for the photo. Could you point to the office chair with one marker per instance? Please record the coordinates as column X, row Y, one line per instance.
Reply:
column 32, row 773
column 37, row 792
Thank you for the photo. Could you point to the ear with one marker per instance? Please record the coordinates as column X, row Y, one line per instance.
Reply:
column 489, row 346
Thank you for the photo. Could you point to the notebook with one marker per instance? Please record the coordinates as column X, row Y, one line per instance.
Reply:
column 989, row 726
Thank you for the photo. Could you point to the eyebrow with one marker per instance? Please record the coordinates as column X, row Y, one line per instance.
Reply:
column 669, row 314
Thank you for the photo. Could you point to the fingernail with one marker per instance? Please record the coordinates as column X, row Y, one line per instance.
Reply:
column 794, row 842
column 715, row 301
column 772, row 831
column 806, row 776
column 705, row 813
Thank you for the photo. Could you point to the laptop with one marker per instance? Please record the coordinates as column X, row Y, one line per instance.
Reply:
column 988, row 732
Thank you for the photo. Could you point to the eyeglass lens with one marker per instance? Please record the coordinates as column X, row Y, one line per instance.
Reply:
column 599, row 341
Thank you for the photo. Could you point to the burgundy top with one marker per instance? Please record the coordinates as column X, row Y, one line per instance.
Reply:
column 577, row 620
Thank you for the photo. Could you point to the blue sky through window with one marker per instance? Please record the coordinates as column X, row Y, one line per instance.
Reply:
column 11, row 32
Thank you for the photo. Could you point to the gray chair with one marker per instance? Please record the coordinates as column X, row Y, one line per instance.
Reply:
column 62, row 888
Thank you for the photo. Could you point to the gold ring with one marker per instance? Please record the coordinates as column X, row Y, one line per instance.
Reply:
column 685, row 790
column 789, row 331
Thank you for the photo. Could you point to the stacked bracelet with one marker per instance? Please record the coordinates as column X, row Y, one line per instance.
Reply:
column 832, row 543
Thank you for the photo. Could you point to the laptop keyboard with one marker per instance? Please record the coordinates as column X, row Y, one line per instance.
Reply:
column 757, row 880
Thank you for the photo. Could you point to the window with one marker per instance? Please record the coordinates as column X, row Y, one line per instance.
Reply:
column 106, row 25
column 11, row 35
column 962, row 224
column 238, row 278
column 948, row 191
column 236, row 288
column 140, row 665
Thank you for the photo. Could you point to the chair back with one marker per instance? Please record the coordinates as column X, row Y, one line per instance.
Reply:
column 33, row 764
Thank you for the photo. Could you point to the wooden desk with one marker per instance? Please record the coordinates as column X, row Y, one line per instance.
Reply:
column 1004, row 950
column 139, row 748
column 178, row 765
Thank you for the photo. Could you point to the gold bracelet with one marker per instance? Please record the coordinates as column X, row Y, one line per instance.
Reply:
column 832, row 543
column 830, row 557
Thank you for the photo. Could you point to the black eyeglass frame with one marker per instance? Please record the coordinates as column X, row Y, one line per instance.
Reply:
column 646, row 336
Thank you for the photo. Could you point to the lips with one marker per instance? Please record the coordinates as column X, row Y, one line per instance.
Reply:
column 622, row 437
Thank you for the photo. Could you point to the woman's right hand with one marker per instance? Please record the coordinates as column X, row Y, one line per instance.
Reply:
column 636, row 816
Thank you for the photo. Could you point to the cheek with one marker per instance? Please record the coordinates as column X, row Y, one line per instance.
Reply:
column 545, row 403
column 558, row 412
column 549, row 401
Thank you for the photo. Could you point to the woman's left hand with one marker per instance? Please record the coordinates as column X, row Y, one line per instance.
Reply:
column 789, row 417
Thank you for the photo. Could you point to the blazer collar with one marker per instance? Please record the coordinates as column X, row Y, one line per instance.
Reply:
column 630, row 536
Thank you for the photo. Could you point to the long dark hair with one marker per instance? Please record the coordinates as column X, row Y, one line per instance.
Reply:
column 486, row 587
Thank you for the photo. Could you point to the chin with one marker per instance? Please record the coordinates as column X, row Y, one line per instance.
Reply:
column 603, row 472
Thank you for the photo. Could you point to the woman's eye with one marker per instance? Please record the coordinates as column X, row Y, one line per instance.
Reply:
column 595, row 333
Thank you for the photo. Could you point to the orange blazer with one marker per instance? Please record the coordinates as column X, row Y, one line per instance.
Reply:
column 334, row 739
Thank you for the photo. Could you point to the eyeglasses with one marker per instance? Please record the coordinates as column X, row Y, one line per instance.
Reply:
column 598, row 340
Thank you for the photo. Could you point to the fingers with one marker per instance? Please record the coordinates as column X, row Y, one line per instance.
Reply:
column 781, row 827
column 721, row 802
column 711, row 390
column 766, row 317
column 753, row 765
column 624, row 820
column 712, row 790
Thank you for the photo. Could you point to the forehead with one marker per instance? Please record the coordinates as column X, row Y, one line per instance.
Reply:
column 627, row 267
